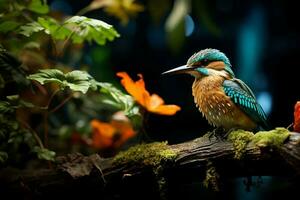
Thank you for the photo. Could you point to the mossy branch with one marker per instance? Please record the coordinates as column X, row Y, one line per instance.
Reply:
column 156, row 166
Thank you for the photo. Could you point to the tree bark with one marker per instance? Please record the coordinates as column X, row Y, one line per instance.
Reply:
column 76, row 175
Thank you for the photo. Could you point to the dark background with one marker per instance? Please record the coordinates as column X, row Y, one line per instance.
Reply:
column 260, row 38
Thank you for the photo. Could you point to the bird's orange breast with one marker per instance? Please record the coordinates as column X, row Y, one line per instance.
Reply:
column 217, row 107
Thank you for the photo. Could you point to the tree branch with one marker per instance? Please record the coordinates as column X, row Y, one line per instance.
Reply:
column 192, row 160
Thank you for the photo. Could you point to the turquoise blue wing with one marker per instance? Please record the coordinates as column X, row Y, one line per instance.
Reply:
column 244, row 98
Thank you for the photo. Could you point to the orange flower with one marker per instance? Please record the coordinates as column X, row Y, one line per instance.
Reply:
column 297, row 117
column 153, row 103
column 111, row 135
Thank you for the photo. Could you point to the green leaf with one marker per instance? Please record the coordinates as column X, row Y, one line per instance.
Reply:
column 32, row 45
column 17, row 102
column 94, row 84
column 17, row 7
column 79, row 81
column 5, row 107
column 2, row 82
column 13, row 97
column 78, row 29
column 84, row 28
column 14, row 103
column 44, row 154
column 26, row 104
column 38, row 6
column 118, row 99
column 2, row 134
column 30, row 28
column 48, row 75
column 11, row 69
column 3, row 157
column 50, row 26
column 8, row 122
column 8, row 26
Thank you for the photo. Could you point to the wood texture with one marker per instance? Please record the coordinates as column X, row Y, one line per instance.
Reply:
column 76, row 175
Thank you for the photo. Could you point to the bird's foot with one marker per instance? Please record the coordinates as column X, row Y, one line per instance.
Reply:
column 228, row 132
column 216, row 133
column 220, row 133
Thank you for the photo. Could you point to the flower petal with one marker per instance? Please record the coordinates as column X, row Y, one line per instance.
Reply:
column 102, row 134
column 297, row 117
column 166, row 109
column 111, row 135
column 153, row 103
column 125, row 130
column 136, row 89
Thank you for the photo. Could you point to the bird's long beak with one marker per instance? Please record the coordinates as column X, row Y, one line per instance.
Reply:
column 178, row 70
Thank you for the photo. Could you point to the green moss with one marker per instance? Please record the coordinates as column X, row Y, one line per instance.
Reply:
column 240, row 139
column 154, row 155
column 273, row 138
column 151, row 154
column 212, row 178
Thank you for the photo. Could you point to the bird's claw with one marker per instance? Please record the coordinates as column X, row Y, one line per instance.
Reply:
column 216, row 133
column 228, row 132
column 220, row 133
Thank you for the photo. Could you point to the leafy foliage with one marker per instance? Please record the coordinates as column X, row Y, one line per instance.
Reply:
column 5, row 107
column 12, row 13
column 38, row 6
column 11, row 69
column 34, row 19
column 8, row 126
column 2, row 82
column 82, row 81
column 31, row 28
column 17, row 102
column 90, row 29
column 76, row 80
column 3, row 157
column 14, row 102
column 40, row 39
column 44, row 154
column 77, row 28
column 13, row 137
column 7, row 26
column 119, row 100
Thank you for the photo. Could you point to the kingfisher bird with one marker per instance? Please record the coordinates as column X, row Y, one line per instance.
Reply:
column 225, row 101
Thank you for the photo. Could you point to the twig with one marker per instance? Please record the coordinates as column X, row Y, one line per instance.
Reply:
column 34, row 133
column 46, row 128
column 65, row 43
column 289, row 126
column 46, row 115
column 51, row 98
column 61, row 104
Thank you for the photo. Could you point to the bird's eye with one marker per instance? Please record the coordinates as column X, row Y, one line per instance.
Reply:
column 204, row 62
